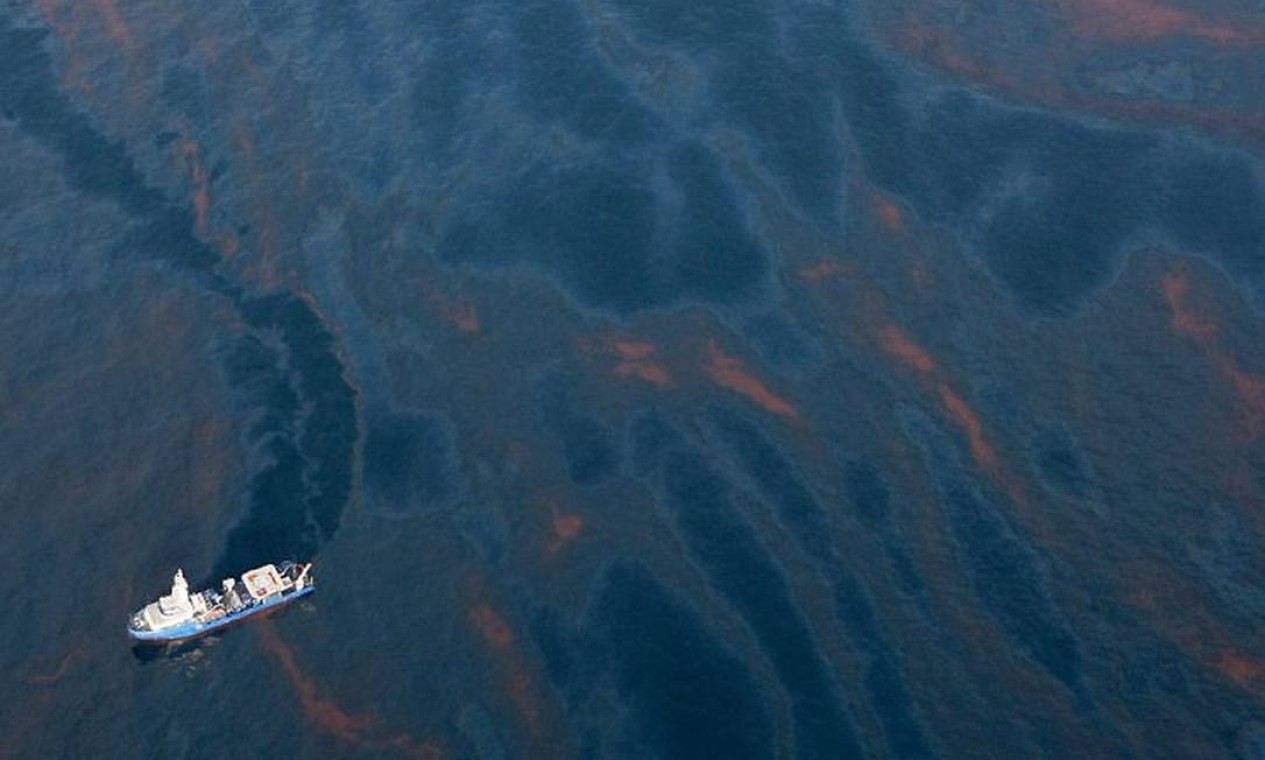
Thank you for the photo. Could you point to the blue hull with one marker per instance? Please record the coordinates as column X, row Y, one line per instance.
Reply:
column 195, row 629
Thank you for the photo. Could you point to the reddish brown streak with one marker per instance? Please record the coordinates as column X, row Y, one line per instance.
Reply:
column 1187, row 321
column 637, row 361
column 968, row 420
column 826, row 269
column 460, row 314
column 1176, row 288
column 114, row 25
column 62, row 668
column 900, row 346
column 1146, row 21
column 1241, row 669
column 1086, row 23
column 634, row 350
column 201, row 193
column 566, row 528
column 66, row 22
column 492, row 626
column 730, row 372
column 359, row 730
column 891, row 214
column 519, row 684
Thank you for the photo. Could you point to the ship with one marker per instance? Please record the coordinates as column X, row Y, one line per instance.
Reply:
column 181, row 616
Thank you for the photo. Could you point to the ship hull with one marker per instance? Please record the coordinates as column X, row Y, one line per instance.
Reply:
column 196, row 630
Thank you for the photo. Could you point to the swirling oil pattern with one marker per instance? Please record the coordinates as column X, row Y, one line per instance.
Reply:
column 647, row 379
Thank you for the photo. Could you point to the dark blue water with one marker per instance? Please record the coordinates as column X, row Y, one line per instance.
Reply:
column 683, row 380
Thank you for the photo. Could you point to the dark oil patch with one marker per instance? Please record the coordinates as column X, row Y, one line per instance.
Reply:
column 782, row 107
column 445, row 78
column 589, row 447
column 870, row 496
column 884, row 683
column 1062, row 464
column 708, row 24
column 328, row 422
column 1009, row 584
column 1049, row 203
column 791, row 121
column 688, row 696
column 252, row 367
column 166, row 238
column 1215, row 204
column 741, row 570
column 288, row 371
column 564, row 79
column 184, row 91
column 778, row 483
column 613, row 240
column 783, row 344
column 650, row 438
column 591, row 227
column 1154, row 669
column 1005, row 572
column 715, row 258
column 29, row 95
column 562, row 650
column 285, row 367
column 409, row 462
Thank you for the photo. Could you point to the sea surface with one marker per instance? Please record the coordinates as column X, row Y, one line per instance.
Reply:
column 646, row 378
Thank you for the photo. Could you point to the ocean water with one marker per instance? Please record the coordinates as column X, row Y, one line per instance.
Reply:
column 731, row 379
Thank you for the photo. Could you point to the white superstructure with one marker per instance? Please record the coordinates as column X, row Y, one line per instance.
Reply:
column 172, row 609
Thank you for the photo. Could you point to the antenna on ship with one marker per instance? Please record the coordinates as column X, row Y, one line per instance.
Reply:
column 299, row 582
column 180, row 587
